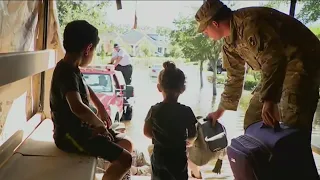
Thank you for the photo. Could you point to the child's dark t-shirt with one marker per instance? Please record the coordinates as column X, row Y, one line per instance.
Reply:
column 67, row 78
column 170, row 122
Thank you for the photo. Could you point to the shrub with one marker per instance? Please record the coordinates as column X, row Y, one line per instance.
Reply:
column 249, row 85
column 250, row 82
column 221, row 79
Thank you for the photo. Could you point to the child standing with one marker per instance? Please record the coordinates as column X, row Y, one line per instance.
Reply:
column 171, row 126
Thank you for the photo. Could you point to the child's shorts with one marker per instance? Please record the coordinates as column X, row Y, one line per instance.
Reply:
column 174, row 169
column 98, row 146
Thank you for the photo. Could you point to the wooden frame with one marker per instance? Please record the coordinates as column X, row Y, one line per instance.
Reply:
column 17, row 66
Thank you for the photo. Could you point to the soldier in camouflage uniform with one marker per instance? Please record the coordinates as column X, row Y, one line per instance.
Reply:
column 285, row 51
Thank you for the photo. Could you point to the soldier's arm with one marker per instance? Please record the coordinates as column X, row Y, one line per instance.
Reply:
column 268, row 49
column 235, row 67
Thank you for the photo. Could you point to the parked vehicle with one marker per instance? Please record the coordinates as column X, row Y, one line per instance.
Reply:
column 110, row 87
column 155, row 70
column 220, row 69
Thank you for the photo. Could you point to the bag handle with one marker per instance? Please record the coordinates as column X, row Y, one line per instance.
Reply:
column 206, row 119
column 276, row 128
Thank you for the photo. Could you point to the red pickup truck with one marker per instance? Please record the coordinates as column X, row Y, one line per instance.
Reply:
column 110, row 87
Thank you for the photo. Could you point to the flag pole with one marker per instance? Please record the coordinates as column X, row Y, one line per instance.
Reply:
column 135, row 25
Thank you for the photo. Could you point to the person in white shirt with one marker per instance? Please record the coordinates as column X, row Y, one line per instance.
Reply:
column 122, row 62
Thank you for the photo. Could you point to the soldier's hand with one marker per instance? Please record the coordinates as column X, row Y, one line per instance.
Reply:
column 216, row 115
column 270, row 113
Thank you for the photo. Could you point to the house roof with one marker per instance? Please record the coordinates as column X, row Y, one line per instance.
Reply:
column 110, row 36
column 133, row 36
column 159, row 40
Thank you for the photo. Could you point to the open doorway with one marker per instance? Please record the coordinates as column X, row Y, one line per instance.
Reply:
column 150, row 32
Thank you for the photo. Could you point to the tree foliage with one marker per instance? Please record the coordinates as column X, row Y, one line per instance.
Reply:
column 174, row 51
column 93, row 12
column 194, row 46
column 145, row 49
column 310, row 11
column 316, row 30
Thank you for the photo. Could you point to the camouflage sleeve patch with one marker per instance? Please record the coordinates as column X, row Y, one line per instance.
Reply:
column 235, row 67
column 266, row 46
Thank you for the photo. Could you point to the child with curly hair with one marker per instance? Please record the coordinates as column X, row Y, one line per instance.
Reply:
column 171, row 126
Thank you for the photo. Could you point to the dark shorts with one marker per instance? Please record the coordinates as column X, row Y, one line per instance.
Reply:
column 98, row 146
column 169, row 168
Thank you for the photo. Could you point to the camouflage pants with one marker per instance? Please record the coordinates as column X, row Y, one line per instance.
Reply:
column 298, row 103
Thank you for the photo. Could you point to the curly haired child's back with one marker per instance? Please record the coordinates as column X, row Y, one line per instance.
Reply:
column 171, row 126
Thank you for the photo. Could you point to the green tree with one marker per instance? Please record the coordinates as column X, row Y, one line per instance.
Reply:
column 163, row 31
column 316, row 30
column 174, row 51
column 145, row 49
column 94, row 12
column 310, row 11
column 195, row 46
column 121, row 28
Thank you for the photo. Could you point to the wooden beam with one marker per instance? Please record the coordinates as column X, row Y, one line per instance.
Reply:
column 292, row 10
column 17, row 66
column 44, row 46
column 119, row 4
column 316, row 144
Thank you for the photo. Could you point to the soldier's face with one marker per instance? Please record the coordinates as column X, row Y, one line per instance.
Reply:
column 214, row 31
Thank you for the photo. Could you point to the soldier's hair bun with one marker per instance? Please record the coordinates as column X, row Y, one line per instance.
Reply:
column 169, row 65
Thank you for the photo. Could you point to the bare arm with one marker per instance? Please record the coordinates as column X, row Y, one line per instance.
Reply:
column 120, row 55
column 147, row 128
column 117, row 60
column 113, row 59
column 192, row 128
column 96, row 101
column 81, row 110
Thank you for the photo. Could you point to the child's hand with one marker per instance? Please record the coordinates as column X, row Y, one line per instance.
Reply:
column 102, row 130
column 189, row 144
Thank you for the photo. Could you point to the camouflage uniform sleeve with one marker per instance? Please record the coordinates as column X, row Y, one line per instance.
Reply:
column 235, row 67
column 268, row 49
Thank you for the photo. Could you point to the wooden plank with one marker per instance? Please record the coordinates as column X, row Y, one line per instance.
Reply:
column 17, row 66
column 41, row 143
column 316, row 144
column 9, row 146
column 48, row 168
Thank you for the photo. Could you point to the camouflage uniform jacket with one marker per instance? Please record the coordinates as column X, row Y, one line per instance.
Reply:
column 266, row 40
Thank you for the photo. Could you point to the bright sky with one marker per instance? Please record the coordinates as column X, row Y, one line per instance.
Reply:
column 162, row 13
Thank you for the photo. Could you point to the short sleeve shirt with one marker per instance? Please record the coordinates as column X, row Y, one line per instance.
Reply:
column 126, row 59
column 170, row 122
column 66, row 78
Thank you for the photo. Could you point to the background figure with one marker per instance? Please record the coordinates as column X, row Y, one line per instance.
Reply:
column 122, row 62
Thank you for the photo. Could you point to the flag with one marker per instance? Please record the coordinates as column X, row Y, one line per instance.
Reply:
column 135, row 24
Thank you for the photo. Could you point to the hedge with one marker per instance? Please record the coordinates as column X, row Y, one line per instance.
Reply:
column 249, row 83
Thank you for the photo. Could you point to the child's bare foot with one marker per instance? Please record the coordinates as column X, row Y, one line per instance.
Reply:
column 196, row 175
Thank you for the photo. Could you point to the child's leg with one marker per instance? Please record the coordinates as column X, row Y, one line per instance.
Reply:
column 194, row 170
column 119, row 158
column 127, row 145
